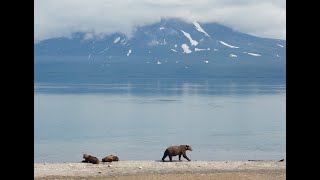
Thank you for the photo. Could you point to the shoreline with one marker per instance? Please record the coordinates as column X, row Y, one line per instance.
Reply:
column 211, row 169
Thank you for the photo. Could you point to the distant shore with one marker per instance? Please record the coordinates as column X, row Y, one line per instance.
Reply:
column 156, row 170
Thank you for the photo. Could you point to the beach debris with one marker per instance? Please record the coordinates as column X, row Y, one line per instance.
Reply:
column 140, row 167
column 281, row 160
column 110, row 158
column 109, row 165
column 45, row 163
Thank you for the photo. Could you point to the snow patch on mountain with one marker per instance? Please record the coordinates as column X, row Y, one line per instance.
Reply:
column 199, row 28
column 233, row 55
column 280, row 45
column 253, row 54
column 116, row 40
column 161, row 28
column 103, row 50
column 186, row 48
column 129, row 52
column 192, row 42
column 226, row 44
column 173, row 50
column 197, row 49
column 159, row 62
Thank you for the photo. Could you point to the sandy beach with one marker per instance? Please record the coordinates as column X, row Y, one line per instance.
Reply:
column 156, row 170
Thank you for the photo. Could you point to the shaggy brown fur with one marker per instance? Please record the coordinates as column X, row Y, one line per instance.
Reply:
column 90, row 159
column 110, row 158
column 177, row 150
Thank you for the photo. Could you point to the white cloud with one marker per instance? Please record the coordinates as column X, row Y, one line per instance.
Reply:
column 55, row 18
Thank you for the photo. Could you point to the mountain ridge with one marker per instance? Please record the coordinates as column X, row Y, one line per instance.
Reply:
column 169, row 48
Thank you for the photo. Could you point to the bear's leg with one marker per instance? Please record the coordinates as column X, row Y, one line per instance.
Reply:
column 185, row 156
column 179, row 157
column 164, row 155
column 170, row 157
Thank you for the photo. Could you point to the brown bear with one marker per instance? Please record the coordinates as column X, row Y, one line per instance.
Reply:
column 90, row 159
column 177, row 150
column 110, row 158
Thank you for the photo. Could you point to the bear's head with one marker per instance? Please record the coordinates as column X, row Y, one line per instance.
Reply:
column 85, row 155
column 188, row 147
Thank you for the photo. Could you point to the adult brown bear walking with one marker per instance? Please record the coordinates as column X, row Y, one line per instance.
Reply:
column 177, row 150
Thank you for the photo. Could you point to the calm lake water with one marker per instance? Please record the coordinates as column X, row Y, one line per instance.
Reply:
column 137, row 120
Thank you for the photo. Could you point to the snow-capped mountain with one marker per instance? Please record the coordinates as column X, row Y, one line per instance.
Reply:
column 181, row 48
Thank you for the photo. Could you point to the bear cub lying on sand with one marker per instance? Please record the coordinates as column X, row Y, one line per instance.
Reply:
column 110, row 158
column 90, row 159
column 177, row 150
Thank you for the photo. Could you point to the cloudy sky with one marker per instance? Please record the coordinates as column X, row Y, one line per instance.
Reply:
column 56, row 18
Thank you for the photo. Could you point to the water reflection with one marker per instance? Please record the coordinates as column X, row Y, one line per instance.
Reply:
column 166, row 87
